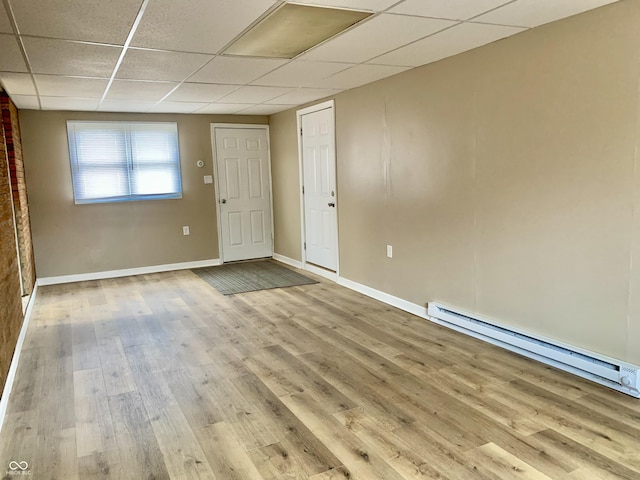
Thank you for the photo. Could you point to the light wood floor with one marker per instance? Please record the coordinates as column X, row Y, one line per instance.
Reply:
column 160, row 376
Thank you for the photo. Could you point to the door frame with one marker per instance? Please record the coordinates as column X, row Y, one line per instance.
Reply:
column 329, row 104
column 216, row 177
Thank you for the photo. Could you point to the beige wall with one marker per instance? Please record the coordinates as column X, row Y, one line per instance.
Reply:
column 505, row 179
column 71, row 239
column 286, row 185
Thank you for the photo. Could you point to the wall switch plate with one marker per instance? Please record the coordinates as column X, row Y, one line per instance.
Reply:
column 208, row 179
column 185, row 230
column 389, row 251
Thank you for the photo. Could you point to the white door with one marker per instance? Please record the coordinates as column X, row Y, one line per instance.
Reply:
column 244, row 192
column 319, row 188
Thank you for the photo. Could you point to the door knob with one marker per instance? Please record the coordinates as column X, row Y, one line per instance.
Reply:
column 332, row 204
column 224, row 200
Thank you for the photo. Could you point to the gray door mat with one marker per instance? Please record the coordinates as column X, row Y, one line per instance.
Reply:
column 233, row 278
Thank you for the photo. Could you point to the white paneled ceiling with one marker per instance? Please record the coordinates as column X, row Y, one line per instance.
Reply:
column 235, row 70
column 5, row 24
column 299, row 73
column 457, row 39
column 376, row 36
column 531, row 13
column 139, row 90
column 368, row 5
column 11, row 59
column 361, row 75
column 302, row 95
column 66, row 103
column 452, row 9
column 194, row 92
column 159, row 65
column 29, row 102
column 168, row 55
column 57, row 86
column 204, row 26
column 65, row 58
column 101, row 22
column 255, row 95
column 19, row 84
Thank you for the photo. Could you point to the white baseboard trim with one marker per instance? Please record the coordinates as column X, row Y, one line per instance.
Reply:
column 13, row 368
column 422, row 311
column 81, row 277
column 333, row 276
column 287, row 261
column 414, row 308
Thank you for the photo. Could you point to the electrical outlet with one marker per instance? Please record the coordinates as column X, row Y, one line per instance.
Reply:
column 185, row 230
column 389, row 251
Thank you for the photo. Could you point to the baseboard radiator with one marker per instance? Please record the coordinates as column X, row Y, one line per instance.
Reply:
column 612, row 373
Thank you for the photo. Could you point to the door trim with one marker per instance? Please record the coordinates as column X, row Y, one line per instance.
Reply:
column 329, row 104
column 216, row 178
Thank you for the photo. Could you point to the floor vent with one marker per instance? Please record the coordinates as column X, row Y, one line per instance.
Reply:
column 618, row 375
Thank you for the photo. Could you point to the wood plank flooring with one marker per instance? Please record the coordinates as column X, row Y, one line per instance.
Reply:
column 161, row 377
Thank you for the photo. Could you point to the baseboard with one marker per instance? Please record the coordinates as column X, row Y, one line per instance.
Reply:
column 321, row 272
column 413, row 308
column 287, row 261
column 421, row 311
column 608, row 371
column 81, row 277
column 13, row 368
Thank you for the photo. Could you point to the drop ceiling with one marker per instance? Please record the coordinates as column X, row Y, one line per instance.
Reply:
column 166, row 55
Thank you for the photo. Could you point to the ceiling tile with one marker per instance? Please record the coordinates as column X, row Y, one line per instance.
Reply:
column 177, row 107
column 300, row 73
column 18, row 83
column 370, row 5
column 56, row 86
column 139, row 90
column 360, row 75
column 26, row 102
column 235, row 70
column 253, row 94
column 458, row 39
column 125, row 106
column 180, row 38
column 264, row 109
column 87, row 20
column 159, row 65
column 71, row 58
column 68, row 103
column 531, row 13
column 223, row 108
column 303, row 95
column 5, row 24
column 368, row 40
column 200, row 26
column 201, row 92
column 451, row 9
column 11, row 59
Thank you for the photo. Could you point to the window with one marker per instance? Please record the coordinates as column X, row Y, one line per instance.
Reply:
column 124, row 161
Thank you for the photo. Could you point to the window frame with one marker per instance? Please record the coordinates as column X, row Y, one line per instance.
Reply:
column 130, row 167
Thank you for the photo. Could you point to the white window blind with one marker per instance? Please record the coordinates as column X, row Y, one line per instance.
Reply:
column 124, row 161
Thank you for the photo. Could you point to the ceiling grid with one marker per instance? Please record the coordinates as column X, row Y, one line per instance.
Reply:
column 161, row 56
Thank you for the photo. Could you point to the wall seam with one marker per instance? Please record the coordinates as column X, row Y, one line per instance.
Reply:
column 634, row 209
column 476, row 237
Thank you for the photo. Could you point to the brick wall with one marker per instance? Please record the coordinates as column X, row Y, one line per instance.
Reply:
column 10, row 296
column 19, row 190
